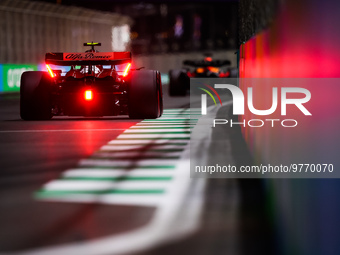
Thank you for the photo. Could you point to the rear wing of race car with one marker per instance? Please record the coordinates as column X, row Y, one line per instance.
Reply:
column 202, row 63
column 88, row 58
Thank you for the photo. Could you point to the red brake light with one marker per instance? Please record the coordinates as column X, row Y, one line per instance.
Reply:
column 88, row 95
column 50, row 70
column 190, row 74
column 126, row 69
column 227, row 74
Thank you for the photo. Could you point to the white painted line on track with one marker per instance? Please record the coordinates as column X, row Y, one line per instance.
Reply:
column 113, row 170
column 116, row 173
column 140, row 147
column 178, row 130
column 180, row 118
column 154, row 136
column 185, row 115
column 170, row 119
column 182, row 109
column 146, row 153
column 167, row 122
column 160, row 120
column 161, row 126
column 144, row 162
column 147, row 142
column 58, row 130
column 88, row 185
column 138, row 200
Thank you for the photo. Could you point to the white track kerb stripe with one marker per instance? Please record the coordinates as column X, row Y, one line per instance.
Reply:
column 140, row 148
column 147, row 165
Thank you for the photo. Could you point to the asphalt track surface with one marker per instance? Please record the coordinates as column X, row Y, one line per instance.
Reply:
column 38, row 158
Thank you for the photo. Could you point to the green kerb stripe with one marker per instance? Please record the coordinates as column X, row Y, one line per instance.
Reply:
column 146, row 120
column 157, row 133
column 146, row 145
column 59, row 193
column 178, row 114
column 136, row 158
column 155, row 138
column 117, row 179
column 163, row 127
column 141, row 150
column 168, row 122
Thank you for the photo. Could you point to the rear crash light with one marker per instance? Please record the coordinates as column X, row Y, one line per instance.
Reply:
column 213, row 69
column 200, row 70
column 50, row 70
column 126, row 69
column 88, row 95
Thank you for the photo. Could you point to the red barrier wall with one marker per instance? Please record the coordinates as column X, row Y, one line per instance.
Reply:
column 302, row 42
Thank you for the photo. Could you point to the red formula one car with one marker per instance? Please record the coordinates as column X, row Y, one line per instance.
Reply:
column 179, row 79
column 93, row 85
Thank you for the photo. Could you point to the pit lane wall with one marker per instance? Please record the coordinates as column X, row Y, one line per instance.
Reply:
column 301, row 41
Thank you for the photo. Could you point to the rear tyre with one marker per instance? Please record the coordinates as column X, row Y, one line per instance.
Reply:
column 177, row 83
column 145, row 95
column 35, row 96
